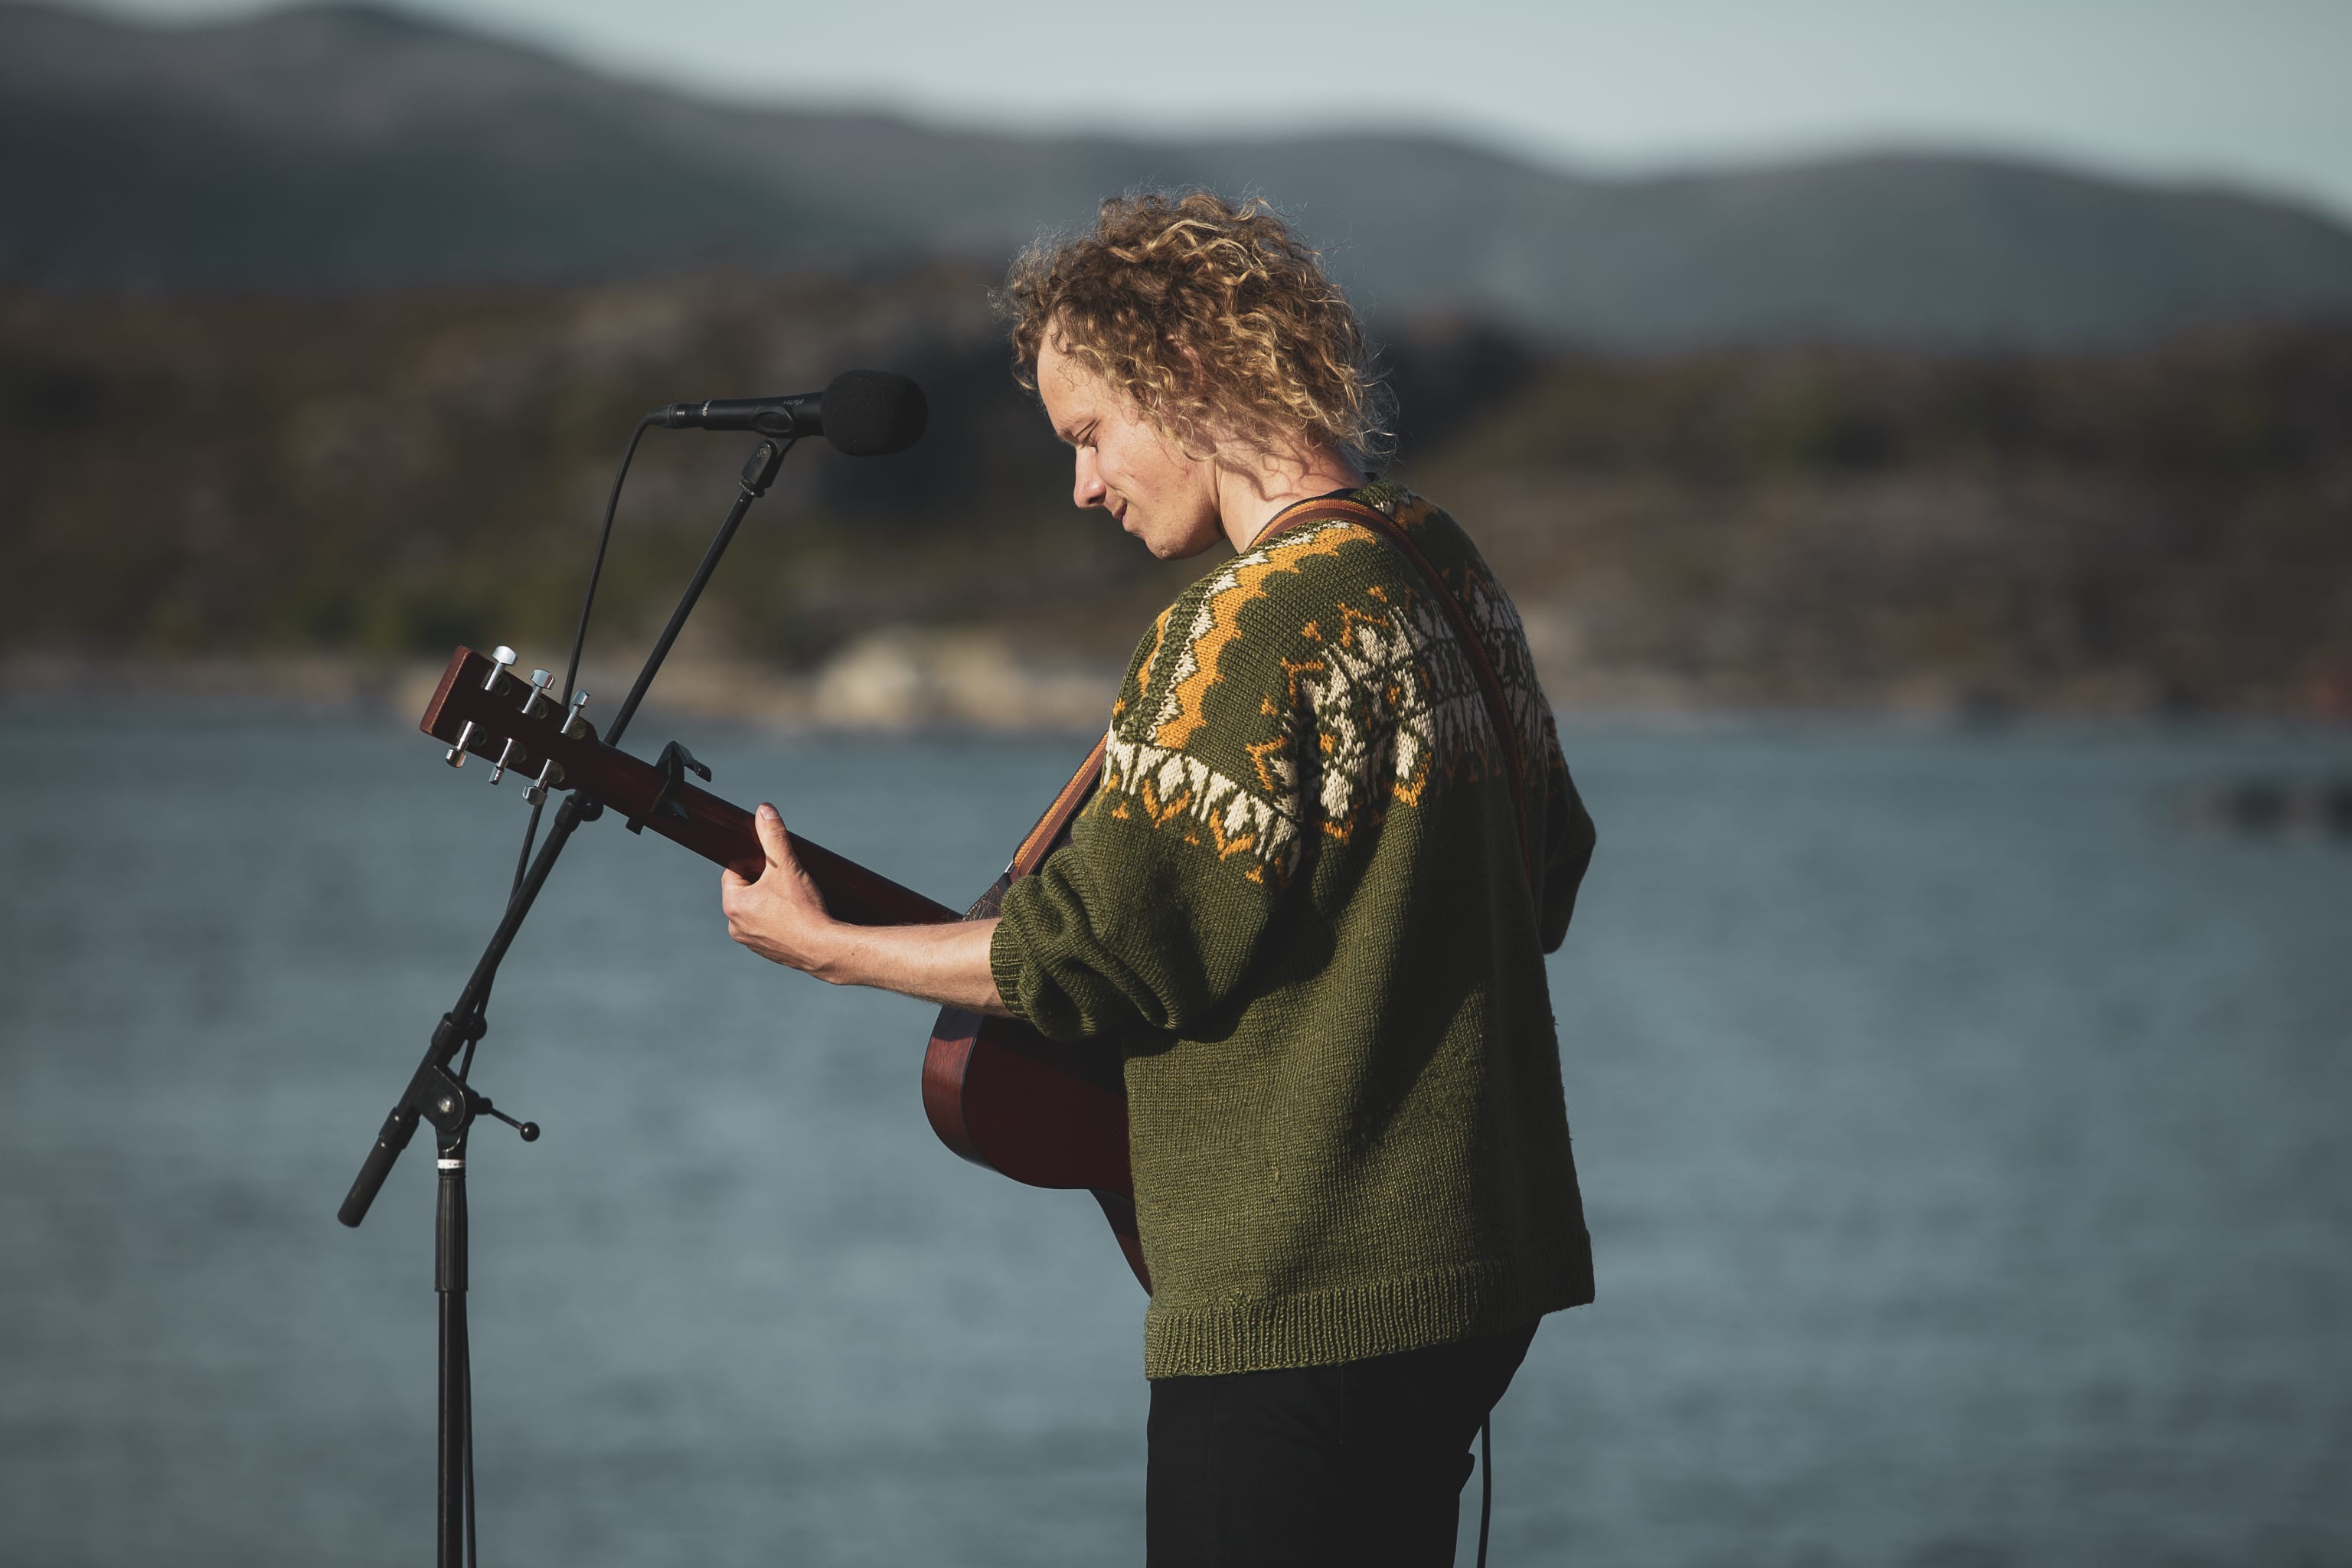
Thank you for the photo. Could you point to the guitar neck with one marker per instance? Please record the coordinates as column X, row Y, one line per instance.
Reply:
column 724, row 834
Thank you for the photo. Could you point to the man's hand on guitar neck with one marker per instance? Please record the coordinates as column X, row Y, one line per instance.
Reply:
column 782, row 917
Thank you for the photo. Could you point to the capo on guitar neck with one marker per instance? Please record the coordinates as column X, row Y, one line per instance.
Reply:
column 675, row 762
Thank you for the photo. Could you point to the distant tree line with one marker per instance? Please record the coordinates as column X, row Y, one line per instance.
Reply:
column 381, row 476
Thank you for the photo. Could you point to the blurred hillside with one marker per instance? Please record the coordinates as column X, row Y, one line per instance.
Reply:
column 330, row 149
column 375, row 480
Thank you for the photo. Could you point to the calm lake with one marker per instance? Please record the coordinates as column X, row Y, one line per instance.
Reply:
column 1964, row 1140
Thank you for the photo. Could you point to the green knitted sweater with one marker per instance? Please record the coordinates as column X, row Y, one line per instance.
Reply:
column 1297, row 904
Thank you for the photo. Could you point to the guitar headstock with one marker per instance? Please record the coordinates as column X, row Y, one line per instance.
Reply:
column 481, row 708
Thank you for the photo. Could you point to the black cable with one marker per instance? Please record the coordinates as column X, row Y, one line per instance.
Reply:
column 580, row 635
column 1485, row 1483
column 571, row 674
column 529, row 832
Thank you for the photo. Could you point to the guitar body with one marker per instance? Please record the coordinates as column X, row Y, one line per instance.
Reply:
column 1004, row 1096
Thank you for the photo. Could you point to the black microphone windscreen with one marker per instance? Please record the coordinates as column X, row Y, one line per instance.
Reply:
column 868, row 413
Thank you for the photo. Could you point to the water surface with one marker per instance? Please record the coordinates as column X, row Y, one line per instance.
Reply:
column 1963, row 1138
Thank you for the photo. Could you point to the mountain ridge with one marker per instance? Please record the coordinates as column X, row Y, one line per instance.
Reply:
column 327, row 149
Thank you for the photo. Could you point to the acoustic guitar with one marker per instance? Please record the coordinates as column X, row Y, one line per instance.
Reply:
column 995, row 1090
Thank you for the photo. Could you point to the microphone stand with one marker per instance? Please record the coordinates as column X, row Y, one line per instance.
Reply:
column 437, row 1092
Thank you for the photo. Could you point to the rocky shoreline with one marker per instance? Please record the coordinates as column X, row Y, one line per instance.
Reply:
column 896, row 681
column 902, row 680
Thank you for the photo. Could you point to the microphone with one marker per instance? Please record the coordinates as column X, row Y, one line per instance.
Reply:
column 865, row 414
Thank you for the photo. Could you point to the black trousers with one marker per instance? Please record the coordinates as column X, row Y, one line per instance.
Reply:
column 1356, row 1464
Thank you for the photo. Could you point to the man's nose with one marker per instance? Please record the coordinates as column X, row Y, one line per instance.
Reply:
column 1088, row 489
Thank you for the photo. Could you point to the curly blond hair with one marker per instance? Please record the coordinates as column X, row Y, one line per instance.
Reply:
column 1213, row 317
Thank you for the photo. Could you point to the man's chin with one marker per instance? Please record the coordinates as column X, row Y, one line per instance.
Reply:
column 1161, row 544
column 1178, row 548
column 1132, row 525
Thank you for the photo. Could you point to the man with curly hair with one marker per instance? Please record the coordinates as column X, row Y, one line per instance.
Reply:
column 1307, row 903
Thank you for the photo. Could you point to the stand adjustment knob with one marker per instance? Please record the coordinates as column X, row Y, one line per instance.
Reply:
column 530, row 1130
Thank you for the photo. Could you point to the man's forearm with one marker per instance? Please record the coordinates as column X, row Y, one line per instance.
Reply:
column 780, row 916
column 943, row 964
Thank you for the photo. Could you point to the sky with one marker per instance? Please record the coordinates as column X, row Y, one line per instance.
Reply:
column 2252, row 92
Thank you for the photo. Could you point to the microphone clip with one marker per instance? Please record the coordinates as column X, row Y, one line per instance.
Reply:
column 675, row 762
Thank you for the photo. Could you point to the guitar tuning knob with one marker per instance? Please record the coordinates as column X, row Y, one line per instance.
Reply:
column 502, row 659
column 540, row 681
column 535, row 792
column 579, row 701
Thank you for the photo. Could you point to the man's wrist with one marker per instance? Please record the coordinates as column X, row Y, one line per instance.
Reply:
column 833, row 951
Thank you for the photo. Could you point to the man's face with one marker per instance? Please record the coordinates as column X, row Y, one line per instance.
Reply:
column 1158, row 492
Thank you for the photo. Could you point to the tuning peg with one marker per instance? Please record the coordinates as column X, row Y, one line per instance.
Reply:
column 505, row 752
column 501, row 657
column 535, row 792
column 539, row 681
column 579, row 701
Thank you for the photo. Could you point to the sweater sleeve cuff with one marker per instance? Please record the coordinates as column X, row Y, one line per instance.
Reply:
column 1004, row 965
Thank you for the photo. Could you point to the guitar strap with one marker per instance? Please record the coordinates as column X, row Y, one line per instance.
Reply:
column 1042, row 838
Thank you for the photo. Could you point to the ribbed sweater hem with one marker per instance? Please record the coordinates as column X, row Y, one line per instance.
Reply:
column 1355, row 1322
